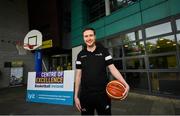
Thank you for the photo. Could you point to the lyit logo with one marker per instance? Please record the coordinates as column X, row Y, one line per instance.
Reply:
column 31, row 96
column 83, row 56
column 100, row 54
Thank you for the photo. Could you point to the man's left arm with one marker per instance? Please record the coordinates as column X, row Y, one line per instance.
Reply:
column 118, row 75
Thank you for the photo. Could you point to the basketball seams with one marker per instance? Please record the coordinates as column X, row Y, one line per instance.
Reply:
column 115, row 81
column 116, row 87
column 119, row 89
column 114, row 97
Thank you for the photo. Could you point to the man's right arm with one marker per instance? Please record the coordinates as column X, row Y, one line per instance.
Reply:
column 77, row 86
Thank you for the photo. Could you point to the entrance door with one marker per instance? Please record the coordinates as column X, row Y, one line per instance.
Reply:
column 59, row 62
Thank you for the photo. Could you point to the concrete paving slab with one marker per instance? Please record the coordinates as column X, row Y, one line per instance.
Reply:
column 12, row 102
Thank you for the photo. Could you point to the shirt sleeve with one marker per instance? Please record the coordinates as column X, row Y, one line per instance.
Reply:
column 78, row 62
column 108, row 58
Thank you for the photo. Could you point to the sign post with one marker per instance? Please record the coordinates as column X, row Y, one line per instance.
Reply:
column 38, row 61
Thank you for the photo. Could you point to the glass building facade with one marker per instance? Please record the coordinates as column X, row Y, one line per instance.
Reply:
column 148, row 57
column 142, row 36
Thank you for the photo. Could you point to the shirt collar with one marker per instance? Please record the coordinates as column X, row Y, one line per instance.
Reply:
column 98, row 46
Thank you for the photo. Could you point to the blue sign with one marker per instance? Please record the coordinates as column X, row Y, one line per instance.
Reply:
column 51, row 87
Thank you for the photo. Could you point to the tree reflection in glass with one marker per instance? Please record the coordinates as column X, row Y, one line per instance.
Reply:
column 160, row 45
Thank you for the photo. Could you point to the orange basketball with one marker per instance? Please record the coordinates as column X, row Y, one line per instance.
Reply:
column 115, row 90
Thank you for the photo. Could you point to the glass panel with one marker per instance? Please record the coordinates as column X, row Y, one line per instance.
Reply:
column 139, row 34
column 178, row 24
column 133, row 36
column 137, row 80
column 114, row 41
column 178, row 40
column 96, row 9
column 162, row 62
column 117, row 52
column 135, row 48
column 118, row 64
column 103, row 43
column 158, row 29
column 118, row 4
column 59, row 62
column 161, row 44
column 135, row 63
column 165, row 82
column 110, row 51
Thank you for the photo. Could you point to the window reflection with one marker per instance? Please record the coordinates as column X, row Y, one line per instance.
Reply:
column 158, row 29
column 95, row 9
column 103, row 42
column 137, row 80
column 178, row 24
column 118, row 64
column 118, row 4
column 129, row 52
column 165, row 82
column 139, row 35
column 133, row 36
column 135, row 48
column 178, row 40
column 135, row 63
column 162, row 44
column 162, row 62
column 117, row 52
column 110, row 51
column 114, row 41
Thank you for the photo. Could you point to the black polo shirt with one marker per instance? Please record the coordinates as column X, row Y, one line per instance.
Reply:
column 93, row 65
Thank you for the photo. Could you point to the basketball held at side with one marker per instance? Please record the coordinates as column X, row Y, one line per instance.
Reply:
column 116, row 90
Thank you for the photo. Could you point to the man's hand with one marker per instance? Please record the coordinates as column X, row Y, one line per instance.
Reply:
column 77, row 103
column 126, row 89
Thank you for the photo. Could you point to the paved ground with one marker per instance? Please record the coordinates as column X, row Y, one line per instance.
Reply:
column 12, row 102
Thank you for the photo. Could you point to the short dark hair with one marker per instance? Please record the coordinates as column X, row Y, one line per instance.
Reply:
column 89, row 28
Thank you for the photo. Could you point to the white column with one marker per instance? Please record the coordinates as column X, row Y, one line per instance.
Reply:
column 107, row 7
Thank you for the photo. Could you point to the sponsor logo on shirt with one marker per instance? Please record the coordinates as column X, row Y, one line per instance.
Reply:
column 100, row 54
column 83, row 56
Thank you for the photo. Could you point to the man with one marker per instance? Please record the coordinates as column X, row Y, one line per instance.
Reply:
column 91, row 77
